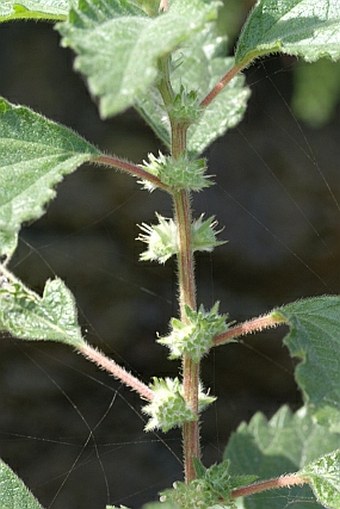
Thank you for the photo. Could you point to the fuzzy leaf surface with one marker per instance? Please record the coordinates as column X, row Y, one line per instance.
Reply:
column 118, row 45
column 34, row 9
column 199, row 65
column 304, row 28
column 324, row 477
column 52, row 317
column 269, row 448
column 315, row 339
column 13, row 492
column 35, row 154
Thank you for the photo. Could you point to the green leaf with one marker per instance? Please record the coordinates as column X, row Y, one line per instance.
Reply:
column 315, row 339
column 150, row 106
column 34, row 9
column 305, row 28
column 324, row 477
column 26, row 315
column 13, row 492
column 205, row 66
column 118, row 46
column 35, row 154
column 269, row 448
column 199, row 65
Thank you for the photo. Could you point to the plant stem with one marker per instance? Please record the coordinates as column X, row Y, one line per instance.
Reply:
column 256, row 325
column 186, row 276
column 190, row 431
column 271, row 484
column 98, row 358
column 130, row 168
column 221, row 84
column 187, row 297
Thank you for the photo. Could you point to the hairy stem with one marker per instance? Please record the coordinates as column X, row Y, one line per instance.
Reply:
column 130, row 168
column 187, row 297
column 271, row 484
column 256, row 325
column 220, row 85
column 190, row 432
column 186, row 275
column 98, row 358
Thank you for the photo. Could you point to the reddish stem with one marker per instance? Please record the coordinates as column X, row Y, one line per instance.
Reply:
column 271, row 484
column 187, row 297
column 220, row 85
column 249, row 327
column 98, row 358
column 132, row 169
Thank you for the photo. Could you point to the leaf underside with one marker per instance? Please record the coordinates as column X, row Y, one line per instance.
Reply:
column 118, row 46
column 304, row 28
column 198, row 65
column 52, row 317
column 35, row 154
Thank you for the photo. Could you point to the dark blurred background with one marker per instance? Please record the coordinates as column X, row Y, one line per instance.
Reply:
column 73, row 433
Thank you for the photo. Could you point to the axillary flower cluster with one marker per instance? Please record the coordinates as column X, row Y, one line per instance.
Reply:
column 192, row 335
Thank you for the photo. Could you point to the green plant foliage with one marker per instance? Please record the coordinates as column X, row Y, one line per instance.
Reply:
column 204, row 234
column 194, row 336
column 35, row 154
column 162, row 238
column 198, row 65
column 160, row 505
column 26, row 315
column 115, row 44
column 168, row 409
column 211, row 490
column 177, row 174
column 14, row 493
column 309, row 29
column 166, row 60
column 34, row 9
column 324, row 476
column 315, row 339
column 268, row 448
column 316, row 91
